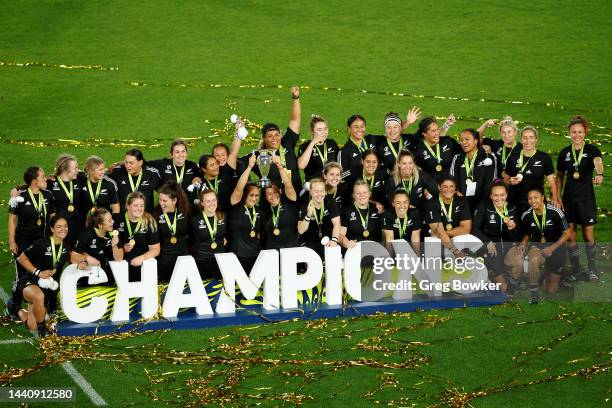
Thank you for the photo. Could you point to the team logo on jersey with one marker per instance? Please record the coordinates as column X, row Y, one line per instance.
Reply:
column 537, row 164
column 354, row 154
column 353, row 217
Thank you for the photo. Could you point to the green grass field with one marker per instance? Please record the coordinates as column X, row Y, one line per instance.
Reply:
column 109, row 75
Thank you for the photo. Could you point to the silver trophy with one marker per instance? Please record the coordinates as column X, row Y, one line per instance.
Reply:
column 264, row 161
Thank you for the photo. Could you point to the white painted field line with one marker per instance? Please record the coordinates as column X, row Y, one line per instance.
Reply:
column 3, row 295
column 15, row 341
column 67, row 366
column 84, row 384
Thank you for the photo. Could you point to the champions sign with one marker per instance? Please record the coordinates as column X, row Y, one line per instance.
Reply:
column 283, row 284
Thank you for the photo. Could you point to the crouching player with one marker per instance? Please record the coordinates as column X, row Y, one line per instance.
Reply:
column 543, row 245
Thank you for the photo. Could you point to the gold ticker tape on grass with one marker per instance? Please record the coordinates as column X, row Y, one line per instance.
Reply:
column 245, row 367
column 61, row 66
column 553, row 105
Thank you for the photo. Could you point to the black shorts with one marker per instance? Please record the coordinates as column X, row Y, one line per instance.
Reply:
column 26, row 280
column 556, row 261
column 580, row 212
column 496, row 264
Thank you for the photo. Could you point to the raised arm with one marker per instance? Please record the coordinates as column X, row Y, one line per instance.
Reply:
column 413, row 115
column 244, row 178
column 295, row 120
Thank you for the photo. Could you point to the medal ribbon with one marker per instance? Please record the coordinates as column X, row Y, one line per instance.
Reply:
column 502, row 214
column 504, row 157
column 275, row 216
column 392, row 149
column 579, row 159
column 520, row 162
column 319, row 218
column 40, row 207
column 281, row 151
column 437, row 154
column 252, row 217
column 364, row 223
column 371, row 182
column 56, row 255
column 137, row 181
column 172, row 226
column 469, row 165
column 179, row 177
column 362, row 147
column 70, row 194
column 212, row 230
column 448, row 214
column 402, row 228
column 213, row 186
column 409, row 189
column 322, row 156
column 542, row 226
column 93, row 197
column 129, row 226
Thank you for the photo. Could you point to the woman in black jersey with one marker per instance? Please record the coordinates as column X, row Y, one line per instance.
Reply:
column 578, row 161
column 495, row 223
column 216, row 178
column 173, row 228
column 66, row 190
column 98, row 244
column 358, row 142
column 434, row 154
column 43, row 260
column 395, row 141
column 28, row 216
column 282, row 146
column 98, row 191
column 319, row 219
column 448, row 216
column 138, row 234
column 360, row 220
column 407, row 176
column 402, row 221
column 209, row 235
column 177, row 167
column 245, row 220
column 505, row 146
column 374, row 176
column 279, row 213
column 313, row 155
column 136, row 175
column 543, row 245
column 335, row 187
column 529, row 168
column 474, row 170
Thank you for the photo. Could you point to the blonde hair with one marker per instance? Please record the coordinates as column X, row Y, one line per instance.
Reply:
column 63, row 162
column 397, row 177
column 218, row 212
column 148, row 222
column 91, row 163
column 508, row 121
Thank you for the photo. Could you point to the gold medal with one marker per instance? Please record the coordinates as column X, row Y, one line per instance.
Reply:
column 252, row 234
column 173, row 239
column 320, row 234
column 70, row 208
column 39, row 222
column 543, row 240
column 449, row 227
column 366, row 233
column 576, row 175
column 439, row 167
column 506, row 219
column 276, row 231
column 54, row 270
column 132, row 242
column 213, row 245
